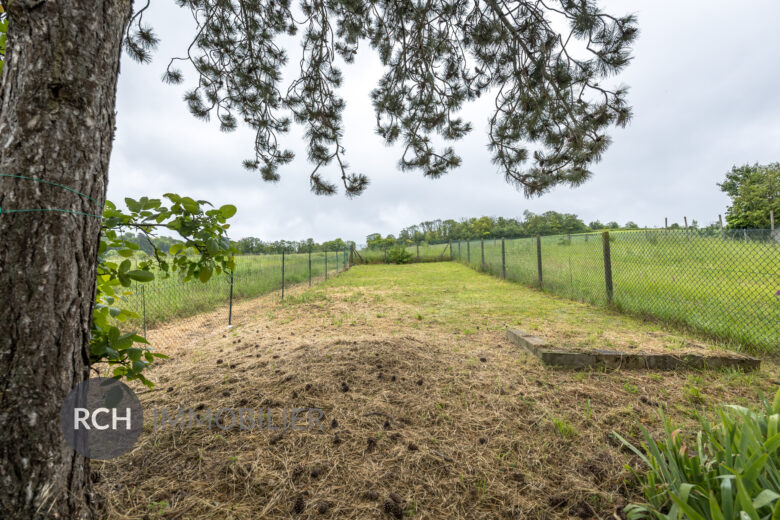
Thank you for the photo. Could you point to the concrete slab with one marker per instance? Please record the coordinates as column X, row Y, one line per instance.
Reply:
column 613, row 359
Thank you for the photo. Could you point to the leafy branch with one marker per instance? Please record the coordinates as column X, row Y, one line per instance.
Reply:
column 204, row 252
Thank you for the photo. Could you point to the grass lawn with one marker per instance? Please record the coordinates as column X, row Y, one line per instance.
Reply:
column 429, row 411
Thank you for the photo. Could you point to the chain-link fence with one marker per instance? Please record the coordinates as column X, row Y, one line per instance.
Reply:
column 420, row 252
column 171, row 311
column 722, row 283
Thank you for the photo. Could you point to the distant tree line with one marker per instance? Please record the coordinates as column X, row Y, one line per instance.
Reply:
column 255, row 246
column 532, row 224
column 147, row 244
column 245, row 246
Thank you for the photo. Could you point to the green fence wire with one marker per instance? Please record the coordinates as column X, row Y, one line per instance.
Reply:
column 723, row 283
column 170, row 309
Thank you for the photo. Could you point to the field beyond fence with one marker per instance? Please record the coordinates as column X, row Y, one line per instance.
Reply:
column 725, row 284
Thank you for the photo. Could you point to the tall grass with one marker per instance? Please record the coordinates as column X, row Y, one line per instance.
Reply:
column 724, row 287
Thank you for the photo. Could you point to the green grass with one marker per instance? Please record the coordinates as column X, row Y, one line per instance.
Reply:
column 723, row 288
column 164, row 300
column 468, row 303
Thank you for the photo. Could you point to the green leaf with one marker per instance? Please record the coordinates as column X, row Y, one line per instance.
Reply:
column 133, row 205
column 744, row 501
column 114, row 396
column 228, row 210
column 141, row 276
column 190, row 205
column 212, row 247
column 765, row 498
column 205, row 273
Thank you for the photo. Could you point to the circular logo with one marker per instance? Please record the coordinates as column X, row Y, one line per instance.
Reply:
column 101, row 418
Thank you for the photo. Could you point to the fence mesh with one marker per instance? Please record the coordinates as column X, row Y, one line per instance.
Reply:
column 170, row 310
column 722, row 283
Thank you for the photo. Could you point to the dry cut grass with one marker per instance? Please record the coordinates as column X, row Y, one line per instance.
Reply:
column 428, row 411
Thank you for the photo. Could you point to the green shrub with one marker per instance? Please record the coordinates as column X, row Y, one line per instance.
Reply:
column 729, row 471
column 398, row 255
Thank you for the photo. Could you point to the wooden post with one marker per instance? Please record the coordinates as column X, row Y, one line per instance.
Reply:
column 310, row 267
column 772, row 219
column 452, row 253
column 282, row 274
column 482, row 243
column 503, row 260
column 351, row 249
column 539, row 260
column 685, row 219
column 326, row 264
column 607, row 266
column 720, row 221
column 418, row 250
column 666, row 222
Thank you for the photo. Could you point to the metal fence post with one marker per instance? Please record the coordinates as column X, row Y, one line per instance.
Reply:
column 326, row 264
column 482, row 245
column 607, row 266
column 309, row 267
column 539, row 260
column 230, row 304
column 452, row 253
column 418, row 250
column 283, row 274
column 351, row 259
column 143, row 299
column 503, row 259
column 459, row 255
column 385, row 254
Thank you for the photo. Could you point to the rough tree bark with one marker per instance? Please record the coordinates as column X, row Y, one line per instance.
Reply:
column 57, row 100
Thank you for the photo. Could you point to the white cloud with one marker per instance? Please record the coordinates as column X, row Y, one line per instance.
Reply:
column 703, row 87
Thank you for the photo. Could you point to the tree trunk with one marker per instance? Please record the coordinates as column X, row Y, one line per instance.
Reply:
column 57, row 100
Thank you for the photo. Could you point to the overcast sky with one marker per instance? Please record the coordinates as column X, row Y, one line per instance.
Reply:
column 705, row 89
